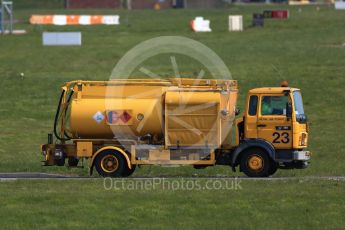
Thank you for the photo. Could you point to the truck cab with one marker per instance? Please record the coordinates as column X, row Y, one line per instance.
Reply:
column 274, row 121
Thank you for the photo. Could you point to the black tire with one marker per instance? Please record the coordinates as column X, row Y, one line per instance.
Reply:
column 60, row 162
column 273, row 168
column 127, row 172
column 113, row 169
column 199, row 166
column 296, row 165
column 255, row 163
column 73, row 162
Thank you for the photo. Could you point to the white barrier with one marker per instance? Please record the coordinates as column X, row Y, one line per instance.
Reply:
column 235, row 23
column 339, row 5
column 61, row 38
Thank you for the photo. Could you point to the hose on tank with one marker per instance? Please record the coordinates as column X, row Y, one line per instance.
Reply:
column 68, row 101
column 57, row 116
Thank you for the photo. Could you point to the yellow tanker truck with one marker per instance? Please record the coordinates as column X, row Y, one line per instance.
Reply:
column 121, row 124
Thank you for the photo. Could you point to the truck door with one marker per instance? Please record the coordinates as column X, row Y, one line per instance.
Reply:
column 250, row 128
column 273, row 125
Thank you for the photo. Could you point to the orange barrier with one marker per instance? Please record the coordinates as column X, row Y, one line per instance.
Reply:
column 74, row 19
column 96, row 20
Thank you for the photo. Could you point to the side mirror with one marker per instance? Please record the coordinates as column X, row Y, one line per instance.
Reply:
column 288, row 110
column 237, row 111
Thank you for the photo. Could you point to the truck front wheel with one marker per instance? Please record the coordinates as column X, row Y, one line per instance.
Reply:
column 255, row 163
column 273, row 168
column 110, row 164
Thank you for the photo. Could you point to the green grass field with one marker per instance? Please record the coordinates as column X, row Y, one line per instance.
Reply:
column 307, row 50
column 257, row 205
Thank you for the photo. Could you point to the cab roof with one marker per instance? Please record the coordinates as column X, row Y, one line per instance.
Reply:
column 271, row 90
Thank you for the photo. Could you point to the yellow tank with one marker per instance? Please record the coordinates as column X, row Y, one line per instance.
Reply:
column 168, row 109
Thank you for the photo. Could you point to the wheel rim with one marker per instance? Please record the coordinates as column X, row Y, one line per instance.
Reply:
column 255, row 162
column 109, row 163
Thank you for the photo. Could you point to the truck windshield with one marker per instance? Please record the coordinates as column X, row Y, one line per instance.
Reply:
column 299, row 110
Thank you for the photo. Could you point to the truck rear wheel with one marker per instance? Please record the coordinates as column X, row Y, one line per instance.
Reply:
column 60, row 162
column 110, row 164
column 127, row 172
column 73, row 162
column 255, row 163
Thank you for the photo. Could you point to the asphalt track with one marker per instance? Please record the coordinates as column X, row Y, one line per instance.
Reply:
column 49, row 176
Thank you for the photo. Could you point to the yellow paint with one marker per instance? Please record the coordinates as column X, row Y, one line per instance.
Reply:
column 109, row 163
column 83, row 110
column 255, row 162
column 264, row 126
column 250, row 128
column 182, row 112
column 161, row 155
column 192, row 119
column 299, row 133
column 84, row 149
column 144, row 101
column 301, row 2
column 237, row 122
column 271, row 122
column 270, row 90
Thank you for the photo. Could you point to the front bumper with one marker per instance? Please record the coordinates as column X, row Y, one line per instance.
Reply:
column 301, row 155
